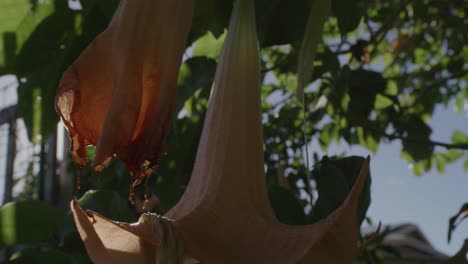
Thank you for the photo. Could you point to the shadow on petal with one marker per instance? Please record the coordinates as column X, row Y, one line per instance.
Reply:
column 107, row 241
column 343, row 231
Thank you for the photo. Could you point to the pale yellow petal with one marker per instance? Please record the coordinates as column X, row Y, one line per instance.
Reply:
column 107, row 242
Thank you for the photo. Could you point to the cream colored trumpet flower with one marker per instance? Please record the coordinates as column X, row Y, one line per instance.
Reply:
column 120, row 94
column 225, row 215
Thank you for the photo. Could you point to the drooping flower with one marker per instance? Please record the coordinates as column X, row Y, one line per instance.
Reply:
column 119, row 95
column 225, row 215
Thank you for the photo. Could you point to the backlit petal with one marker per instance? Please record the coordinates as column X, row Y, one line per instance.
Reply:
column 119, row 95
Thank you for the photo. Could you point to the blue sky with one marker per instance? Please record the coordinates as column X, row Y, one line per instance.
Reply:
column 428, row 200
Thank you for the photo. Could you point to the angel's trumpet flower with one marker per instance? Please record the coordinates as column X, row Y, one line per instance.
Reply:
column 119, row 95
column 224, row 215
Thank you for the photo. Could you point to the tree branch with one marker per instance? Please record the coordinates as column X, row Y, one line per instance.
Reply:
column 435, row 84
column 379, row 35
column 383, row 30
column 393, row 136
column 462, row 146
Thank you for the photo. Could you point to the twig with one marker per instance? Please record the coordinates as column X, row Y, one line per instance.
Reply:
column 436, row 84
column 382, row 32
column 274, row 67
column 462, row 146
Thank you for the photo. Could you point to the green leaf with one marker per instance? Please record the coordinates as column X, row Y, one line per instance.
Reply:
column 109, row 203
column 210, row 15
column 465, row 53
column 382, row 102
column 26, row 222
column 13, row 13
column 108, row 7
column 287, row 208
column 459, row 104
column 115, row 177
column 455, row 66
column 209, row 46
column 271, row 17
column 58, row 36
column 418, row 132
column 418, row 168
column 196, row 73
column 41, row 37
column 332, row 188
column 465, row 165
column 43, row 255
column 335, row 179
column 330, row 62
column 452, row 155
column 348, row 15
column 45, row 37
column 325, row 136
column 351, row 167
column 392, row 88
column 363, row 88
column 312, row 37
column 459, row 137
column 367, row 139
column 420, row 55
column 440, row 163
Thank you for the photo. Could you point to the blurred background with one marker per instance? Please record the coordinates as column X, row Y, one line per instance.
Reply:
column 390, row 81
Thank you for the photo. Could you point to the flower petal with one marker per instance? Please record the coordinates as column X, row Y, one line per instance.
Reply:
column 119, row 95
column 153, row 239
column 225, row 215
column 107, row 242
column 343, row 232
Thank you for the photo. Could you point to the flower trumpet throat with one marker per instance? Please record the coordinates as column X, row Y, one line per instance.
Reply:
column 120, row 94
column 230, row 155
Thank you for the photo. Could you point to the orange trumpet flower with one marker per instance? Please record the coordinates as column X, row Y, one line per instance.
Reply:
column 225, row 215
column 120, row 94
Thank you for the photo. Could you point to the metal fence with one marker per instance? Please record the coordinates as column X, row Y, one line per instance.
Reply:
column 36, row 171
